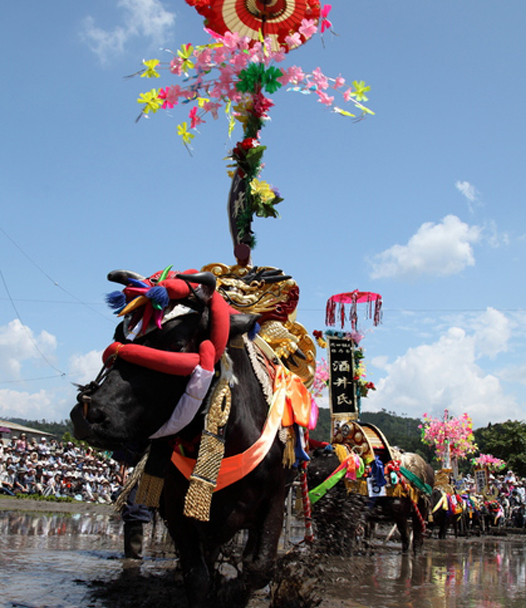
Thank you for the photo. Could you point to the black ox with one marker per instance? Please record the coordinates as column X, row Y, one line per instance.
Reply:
column 350, row 512
column 131, row 402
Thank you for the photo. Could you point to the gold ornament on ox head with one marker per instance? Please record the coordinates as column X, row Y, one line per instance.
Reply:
column 268, row 292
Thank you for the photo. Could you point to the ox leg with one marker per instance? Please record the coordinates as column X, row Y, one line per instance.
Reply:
column 418, row 534
column 403, row 529
column 262, row 546
column 196, row 573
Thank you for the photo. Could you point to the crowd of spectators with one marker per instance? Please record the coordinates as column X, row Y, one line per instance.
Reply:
column 60, row 469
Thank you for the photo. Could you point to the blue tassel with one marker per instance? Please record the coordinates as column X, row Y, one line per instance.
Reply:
column 159, row 295
column 116, row 300
column 299, row 451
column 254, row 331
column 137, row 283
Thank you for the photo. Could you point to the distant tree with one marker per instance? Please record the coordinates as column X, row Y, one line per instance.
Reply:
column 507, row 441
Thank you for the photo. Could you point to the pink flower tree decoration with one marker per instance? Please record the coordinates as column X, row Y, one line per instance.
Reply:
column 451, row 437
column 487, row 461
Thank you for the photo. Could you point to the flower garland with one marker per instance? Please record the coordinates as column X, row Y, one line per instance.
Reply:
column 488, row 461
column 236, row 73
column 321, row 378
column 453, row 434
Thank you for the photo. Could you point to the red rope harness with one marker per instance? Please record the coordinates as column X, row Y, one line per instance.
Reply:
column 307, row 512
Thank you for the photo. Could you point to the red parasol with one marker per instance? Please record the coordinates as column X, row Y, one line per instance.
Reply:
column 275, row 19
column 337, row 303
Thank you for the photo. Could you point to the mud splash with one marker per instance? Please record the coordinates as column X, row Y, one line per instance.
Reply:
column 76, row 561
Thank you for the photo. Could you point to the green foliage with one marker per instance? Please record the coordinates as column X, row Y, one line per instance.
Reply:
column 505, row 440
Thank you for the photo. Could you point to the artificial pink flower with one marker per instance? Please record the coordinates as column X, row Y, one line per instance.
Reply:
column 294, row 75
column 324, row 98
column 320, row 80
column 211, row 107
column 231, row 40
column 293, row 41
column 176, row 66
column 347, row 94
column 204, row 60
column 196, row 120
column 308, row 28
column 162, row 94
column 173, row 93
column 339, row 82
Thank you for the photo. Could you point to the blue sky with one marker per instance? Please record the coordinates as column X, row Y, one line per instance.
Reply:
column 422, row 202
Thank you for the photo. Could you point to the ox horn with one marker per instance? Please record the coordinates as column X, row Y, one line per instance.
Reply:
column 123, row 276
column 206, row 279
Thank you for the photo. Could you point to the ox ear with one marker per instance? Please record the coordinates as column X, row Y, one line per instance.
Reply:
column 242, row 324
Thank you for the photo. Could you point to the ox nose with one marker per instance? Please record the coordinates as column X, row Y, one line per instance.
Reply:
column 92, row 414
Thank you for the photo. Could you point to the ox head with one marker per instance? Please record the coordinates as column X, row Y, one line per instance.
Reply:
column 178, row 324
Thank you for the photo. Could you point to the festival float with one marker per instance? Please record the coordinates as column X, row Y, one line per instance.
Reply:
column 371, row 467
column 453, row 439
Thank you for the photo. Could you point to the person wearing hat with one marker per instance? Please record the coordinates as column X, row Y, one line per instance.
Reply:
column 21, row 444
column 42, row 447
column 20, row 485
column 7, row 479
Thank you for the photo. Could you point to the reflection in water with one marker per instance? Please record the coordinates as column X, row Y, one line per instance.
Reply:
column 475, row 573
column 43, row 558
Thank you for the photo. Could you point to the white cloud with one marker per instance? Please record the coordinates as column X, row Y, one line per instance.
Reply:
column 446, row 375
column 18, row 343
column 85, row 368
column 436, row 249
column 35, row 406
column 470, row 193
column 467, row 190
column 492, row 333
column 146, row 18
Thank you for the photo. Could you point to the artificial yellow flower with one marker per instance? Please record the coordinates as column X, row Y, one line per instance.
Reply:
column 150, row 100
column 241, row 111
column 150, row 71
column 262, row 189
column 185, row 52
column 182, row 131
column 359, row 90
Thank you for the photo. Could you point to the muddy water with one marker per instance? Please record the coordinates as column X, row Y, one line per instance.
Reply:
column 63, row 561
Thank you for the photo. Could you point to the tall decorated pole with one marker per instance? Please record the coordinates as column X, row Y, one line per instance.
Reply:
column 346, row 377
column 236, row 71
column 451, row 437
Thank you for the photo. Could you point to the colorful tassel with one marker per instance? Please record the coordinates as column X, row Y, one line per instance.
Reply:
column 158, row 296
column 116, row 300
